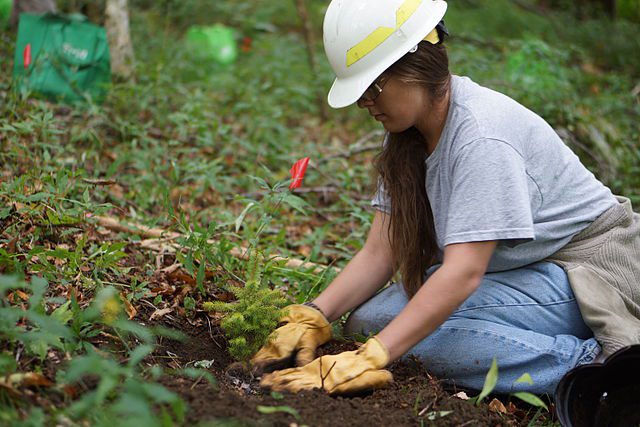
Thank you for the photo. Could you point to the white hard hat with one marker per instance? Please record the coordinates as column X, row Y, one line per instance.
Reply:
column 362, row 38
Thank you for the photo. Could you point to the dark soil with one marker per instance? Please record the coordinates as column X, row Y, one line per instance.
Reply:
column 414, row 398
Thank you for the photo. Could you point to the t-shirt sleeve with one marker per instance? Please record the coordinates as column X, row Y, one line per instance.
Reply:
column 489, row 197
column 381, row 200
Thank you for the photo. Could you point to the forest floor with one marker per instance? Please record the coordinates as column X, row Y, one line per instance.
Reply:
column 231, row 395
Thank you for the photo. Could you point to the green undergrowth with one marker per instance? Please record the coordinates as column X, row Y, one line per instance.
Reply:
column 189, row 146
column 52, row 330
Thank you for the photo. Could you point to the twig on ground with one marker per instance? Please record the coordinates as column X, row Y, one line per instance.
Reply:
column 426, row 408
column 211, row 333
column 173, row 267
column 322, row 378
column 100, row 181
column 67, row 225
column 196, row 382
column 174, row 358
column 114, row 224
column 149, row 232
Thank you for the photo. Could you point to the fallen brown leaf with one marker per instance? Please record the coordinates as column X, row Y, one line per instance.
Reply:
column 22, row 295
column 130, row 309
column 34, row 379
column 70, row 391
column 461, row 395
column 181, row 276
column 12, row 245
column 160, row 313
column 163, row 288
column 513, row 409
column 27, row 379
column 496, row 406
column 305, row 250
column 225, row 296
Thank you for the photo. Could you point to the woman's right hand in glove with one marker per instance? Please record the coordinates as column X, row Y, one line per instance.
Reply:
column 304, row 329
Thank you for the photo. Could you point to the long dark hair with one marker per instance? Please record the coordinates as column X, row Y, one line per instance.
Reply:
column 401, row 167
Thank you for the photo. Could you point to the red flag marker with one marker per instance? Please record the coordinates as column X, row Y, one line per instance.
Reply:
column 297, row 172
column 246, row 44
column 26, row 56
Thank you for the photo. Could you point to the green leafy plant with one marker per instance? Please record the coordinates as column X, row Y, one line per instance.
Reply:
column 123, row 392
column 199, row 251
column 127, row 391
column 266, row 208
column 491, row 380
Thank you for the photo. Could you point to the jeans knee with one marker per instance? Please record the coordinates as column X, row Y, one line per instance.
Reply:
column 376, row 313
column 366, row 320
column 361, row 321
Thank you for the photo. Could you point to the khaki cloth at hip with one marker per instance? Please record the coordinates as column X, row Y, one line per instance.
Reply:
column 603, row 266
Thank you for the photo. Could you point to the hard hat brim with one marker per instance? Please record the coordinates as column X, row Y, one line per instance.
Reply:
column 345, row 92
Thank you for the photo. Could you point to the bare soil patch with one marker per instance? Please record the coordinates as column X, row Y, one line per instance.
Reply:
column 415, row 397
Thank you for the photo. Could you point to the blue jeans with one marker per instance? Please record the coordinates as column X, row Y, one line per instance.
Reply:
column 527, row 318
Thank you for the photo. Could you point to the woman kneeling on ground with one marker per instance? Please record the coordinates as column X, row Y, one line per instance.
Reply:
column 508, row 247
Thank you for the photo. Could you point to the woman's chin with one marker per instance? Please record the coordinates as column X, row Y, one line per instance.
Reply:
column 389, row 127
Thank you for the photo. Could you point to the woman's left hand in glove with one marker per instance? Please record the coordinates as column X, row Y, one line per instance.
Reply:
column 347, row 372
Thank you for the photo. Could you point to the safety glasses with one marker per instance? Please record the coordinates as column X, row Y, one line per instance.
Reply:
column 374, row 90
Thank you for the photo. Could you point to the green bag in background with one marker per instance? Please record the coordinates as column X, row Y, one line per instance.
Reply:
column 5, row 12
column 62, row 57
column 215, row 42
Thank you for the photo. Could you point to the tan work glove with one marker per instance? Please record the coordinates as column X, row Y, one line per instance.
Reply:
column 305, row 329
column 348, row 372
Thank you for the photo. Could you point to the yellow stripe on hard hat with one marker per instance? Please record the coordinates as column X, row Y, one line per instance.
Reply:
column 370, row 42
column 405, row 11
column 380, row 34
column 432, row 37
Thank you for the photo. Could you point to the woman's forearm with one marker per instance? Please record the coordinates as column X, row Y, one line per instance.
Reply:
column 366, row 273
column 436, row 300
column 462, row 270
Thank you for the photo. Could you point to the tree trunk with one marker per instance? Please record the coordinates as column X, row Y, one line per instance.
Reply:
column 117, row 26
column 313, row 63
column 610, row 7
column 30, row 6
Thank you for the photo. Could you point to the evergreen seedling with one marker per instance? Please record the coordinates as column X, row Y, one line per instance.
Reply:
column 250, row 319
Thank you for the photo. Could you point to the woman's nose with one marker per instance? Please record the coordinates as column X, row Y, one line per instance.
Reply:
column 364, row 103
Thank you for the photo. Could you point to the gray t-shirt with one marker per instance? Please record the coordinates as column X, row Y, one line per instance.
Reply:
column 500, row 172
